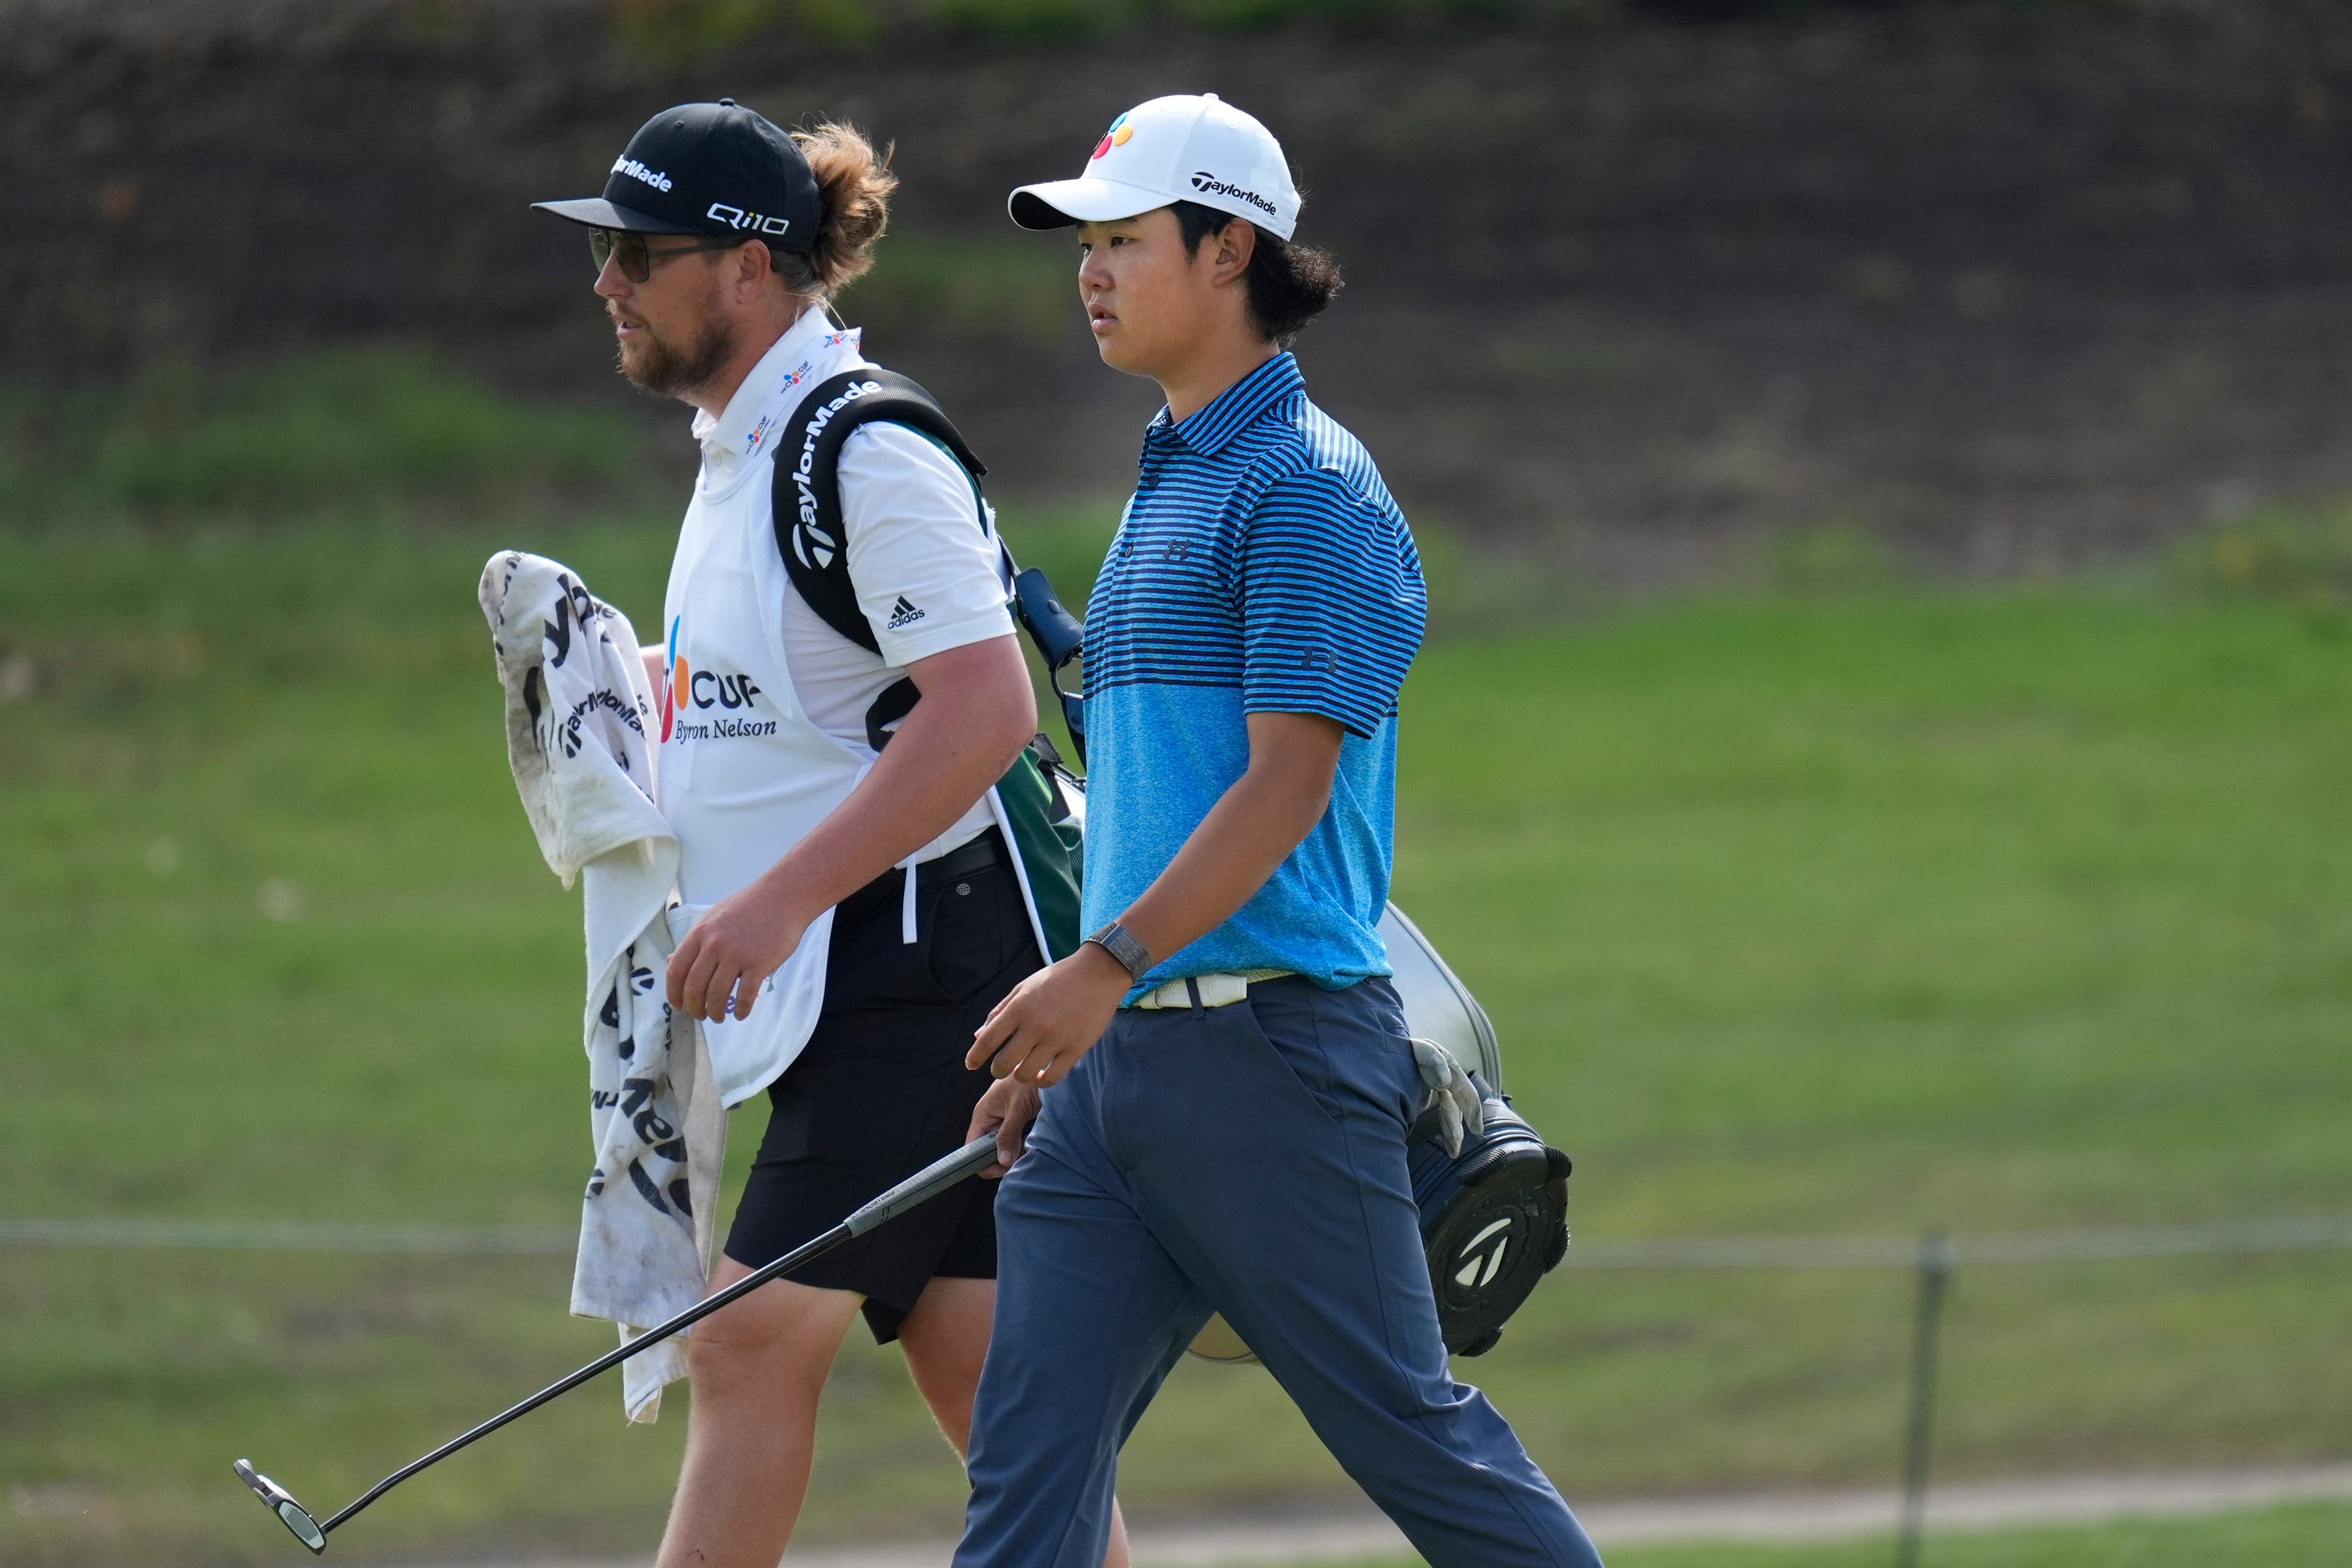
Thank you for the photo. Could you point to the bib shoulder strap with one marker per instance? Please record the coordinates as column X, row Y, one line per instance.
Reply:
column 810, row 531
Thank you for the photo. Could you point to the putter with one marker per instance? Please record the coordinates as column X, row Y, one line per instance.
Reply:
column 923, row 1186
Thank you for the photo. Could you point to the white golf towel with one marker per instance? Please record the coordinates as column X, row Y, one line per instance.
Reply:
column 576, row 709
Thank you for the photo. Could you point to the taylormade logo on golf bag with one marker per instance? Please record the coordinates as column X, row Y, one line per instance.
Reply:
column 813, row 548
column 638, row 171
column 1209, row 185
column 1482, row 1258
column 736, row 217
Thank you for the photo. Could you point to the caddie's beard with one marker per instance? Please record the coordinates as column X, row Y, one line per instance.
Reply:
column 662, row 369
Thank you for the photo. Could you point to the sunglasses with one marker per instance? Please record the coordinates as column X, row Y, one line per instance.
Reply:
column 637, row 259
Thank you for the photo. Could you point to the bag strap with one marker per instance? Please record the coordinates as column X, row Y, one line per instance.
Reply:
column 810, row 531
column 812, row 536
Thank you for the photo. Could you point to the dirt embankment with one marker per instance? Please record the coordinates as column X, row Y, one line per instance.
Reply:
column 2013, row 286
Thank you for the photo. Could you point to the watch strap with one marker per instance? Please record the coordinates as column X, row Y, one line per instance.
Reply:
column 1120, row 942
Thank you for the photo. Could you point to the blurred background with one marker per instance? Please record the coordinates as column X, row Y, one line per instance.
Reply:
column 1887, row 475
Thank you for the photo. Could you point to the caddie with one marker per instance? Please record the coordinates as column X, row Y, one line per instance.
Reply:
column 1225, row 1073
column 829, row 769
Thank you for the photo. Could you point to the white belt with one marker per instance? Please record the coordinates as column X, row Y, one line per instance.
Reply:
column 1220, row 990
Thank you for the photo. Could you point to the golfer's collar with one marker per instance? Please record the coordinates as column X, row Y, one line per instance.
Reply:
column 794, row 363
column 1210, row 430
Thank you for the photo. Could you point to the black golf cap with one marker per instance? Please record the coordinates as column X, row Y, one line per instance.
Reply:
column 708, row 168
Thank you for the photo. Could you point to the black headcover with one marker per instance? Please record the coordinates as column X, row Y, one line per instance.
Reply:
column 1494, row 1220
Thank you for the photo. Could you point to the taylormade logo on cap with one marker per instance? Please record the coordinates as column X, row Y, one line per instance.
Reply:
column 1209, row 185
column 1186, row 148
column 638, row 171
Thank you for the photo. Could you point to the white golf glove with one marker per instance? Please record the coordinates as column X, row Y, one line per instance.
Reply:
column 1459, row 1103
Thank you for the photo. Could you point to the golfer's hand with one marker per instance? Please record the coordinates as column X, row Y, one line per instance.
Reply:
column 731, row 950
column 1052, row 1018
column 1006, row 1109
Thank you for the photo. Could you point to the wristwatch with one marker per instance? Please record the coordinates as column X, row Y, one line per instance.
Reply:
column 1120, row 942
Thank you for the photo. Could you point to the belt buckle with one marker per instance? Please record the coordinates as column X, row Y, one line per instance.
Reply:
column 1168, row 994
column 1220, row 990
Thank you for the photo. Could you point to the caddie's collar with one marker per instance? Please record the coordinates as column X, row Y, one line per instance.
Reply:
column 1211, row 429
column 809, row 350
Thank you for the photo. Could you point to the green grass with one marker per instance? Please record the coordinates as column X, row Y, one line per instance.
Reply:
column 1849, row 915
column 975, row 286
column 2301, row 1536
column 361, row 429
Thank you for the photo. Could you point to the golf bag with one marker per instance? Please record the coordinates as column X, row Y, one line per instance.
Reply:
column 1493, row 1218
column 1494, row 1221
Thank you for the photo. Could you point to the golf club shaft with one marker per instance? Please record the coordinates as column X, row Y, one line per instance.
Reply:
column 923, row 1186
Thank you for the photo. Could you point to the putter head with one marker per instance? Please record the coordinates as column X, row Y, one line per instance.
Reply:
column 280, row 1502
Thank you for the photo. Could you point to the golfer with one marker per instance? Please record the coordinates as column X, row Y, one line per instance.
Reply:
column 856, row 912
column 1225, row 1072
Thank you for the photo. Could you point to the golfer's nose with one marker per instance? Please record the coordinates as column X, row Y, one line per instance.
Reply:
column 610, row 283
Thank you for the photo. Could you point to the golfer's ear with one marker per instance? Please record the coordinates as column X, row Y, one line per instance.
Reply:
column 1236, row 246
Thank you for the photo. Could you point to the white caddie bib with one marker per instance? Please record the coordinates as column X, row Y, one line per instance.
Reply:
column 742, row 774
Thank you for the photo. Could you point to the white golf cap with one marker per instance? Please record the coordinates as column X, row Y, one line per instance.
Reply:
column 1188, row 148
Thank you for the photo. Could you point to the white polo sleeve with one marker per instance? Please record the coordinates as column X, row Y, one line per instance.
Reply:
column 924, row 568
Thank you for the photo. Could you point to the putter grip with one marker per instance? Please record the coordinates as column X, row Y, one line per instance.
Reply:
column 925, row 1184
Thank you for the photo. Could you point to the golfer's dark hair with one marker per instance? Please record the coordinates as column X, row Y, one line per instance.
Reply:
column 856, row 183
column 1289, row 284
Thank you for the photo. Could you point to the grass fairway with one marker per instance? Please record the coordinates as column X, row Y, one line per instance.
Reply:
column 2304, row 1536
column 1852, row 915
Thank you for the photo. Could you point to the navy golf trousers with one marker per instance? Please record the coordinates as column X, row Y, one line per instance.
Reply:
column 1248, row 1160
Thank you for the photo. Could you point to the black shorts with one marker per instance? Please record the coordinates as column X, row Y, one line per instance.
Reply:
column 881, row 1091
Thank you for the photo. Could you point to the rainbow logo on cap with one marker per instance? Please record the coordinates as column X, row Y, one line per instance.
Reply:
column 1115, row 137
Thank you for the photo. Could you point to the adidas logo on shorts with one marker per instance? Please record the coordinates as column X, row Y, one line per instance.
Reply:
column 903, row 613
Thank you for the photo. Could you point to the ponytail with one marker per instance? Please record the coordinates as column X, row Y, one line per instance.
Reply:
column 856, row 182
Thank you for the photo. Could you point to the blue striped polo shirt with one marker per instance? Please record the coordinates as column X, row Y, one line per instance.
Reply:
column 1262, row 566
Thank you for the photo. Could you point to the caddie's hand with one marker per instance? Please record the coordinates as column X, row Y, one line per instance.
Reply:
column 731, row 950
column 1006, row 1109
column 1052, row 1020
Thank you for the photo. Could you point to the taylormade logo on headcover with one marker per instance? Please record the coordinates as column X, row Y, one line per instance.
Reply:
column 638, row 171
column 1209, row 185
